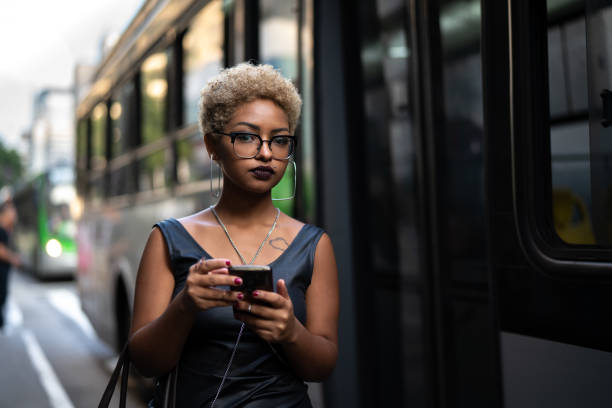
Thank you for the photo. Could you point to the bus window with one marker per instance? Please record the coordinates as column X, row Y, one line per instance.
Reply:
column 121, row 116
column 193, row 164
column 98, row 136
column 60, row 198
column 580, row 180
column 121, row 180
column 81, row 154
column 154, row 97
column 153, row 171
column 96, row 188
column 122, row 139
column 202, row 56
column 81, row 148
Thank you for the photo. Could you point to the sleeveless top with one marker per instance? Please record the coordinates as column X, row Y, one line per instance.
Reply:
column 259, row 375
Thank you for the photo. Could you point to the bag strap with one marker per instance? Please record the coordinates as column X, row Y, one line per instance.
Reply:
column 121, row 368
column 170, row 389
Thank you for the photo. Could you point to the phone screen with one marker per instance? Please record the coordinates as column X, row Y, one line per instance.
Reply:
column 253, row 277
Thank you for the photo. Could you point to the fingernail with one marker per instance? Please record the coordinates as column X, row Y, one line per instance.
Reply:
column 238, row 281
column 240, row 296
column 227, row 263
column 255, row 293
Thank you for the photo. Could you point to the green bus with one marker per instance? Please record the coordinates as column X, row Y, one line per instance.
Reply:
column 45, row 231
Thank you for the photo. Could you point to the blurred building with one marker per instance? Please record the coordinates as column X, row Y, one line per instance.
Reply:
column 83, row 74
column 50, row 139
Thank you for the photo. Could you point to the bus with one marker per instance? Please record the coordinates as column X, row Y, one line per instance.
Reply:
column 456, row 151
column 46, row 230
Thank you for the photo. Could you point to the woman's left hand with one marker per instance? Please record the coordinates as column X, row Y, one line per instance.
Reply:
column 271, row 314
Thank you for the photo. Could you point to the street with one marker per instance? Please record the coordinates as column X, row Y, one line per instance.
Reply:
column 49, row 352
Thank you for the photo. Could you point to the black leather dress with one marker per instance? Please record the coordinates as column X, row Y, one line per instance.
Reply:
column 259, row 376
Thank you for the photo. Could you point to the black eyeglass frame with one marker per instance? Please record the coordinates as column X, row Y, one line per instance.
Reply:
column 234, row 135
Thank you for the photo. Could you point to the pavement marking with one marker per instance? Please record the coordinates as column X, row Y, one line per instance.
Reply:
column 14, row 317
column 56, row 393
column 67, row 303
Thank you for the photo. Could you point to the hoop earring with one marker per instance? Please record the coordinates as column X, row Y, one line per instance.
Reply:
column 294, row 184
column 215, row 193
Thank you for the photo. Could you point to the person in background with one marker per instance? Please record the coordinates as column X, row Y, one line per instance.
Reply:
column 8, row 258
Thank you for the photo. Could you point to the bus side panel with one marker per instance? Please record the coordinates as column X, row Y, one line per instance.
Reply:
column 118, row 237
column 543, row 373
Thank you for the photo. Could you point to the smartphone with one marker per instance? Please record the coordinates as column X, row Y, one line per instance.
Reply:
column 253, row 277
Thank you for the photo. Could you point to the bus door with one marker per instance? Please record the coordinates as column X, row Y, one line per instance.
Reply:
column 551, row 202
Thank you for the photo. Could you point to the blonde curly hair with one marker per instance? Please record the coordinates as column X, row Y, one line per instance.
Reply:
column 243, row 83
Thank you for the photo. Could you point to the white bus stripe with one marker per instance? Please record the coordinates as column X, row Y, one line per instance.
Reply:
column 56, row 393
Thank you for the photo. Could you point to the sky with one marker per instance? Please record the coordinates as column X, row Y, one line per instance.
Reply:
column 40, row 43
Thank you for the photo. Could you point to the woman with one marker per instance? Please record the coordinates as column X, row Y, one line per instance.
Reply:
column 183, row 312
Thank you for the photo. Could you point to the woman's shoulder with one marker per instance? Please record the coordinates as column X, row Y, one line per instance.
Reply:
column 297, row 228
column 197, row 221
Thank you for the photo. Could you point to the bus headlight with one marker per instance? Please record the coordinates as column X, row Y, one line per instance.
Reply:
column 53, row 248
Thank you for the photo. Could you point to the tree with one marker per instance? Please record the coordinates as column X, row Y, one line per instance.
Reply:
column 11, row 166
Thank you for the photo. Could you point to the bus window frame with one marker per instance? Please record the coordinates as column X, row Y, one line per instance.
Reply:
column 531, row 155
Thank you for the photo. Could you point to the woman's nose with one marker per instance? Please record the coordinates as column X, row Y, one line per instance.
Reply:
column 265, row 152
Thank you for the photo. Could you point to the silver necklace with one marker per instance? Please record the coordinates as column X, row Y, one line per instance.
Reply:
column 232, row 241
column 229, row 364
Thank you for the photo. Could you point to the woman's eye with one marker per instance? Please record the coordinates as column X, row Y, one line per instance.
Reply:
column 244, row 138
column 281, row 140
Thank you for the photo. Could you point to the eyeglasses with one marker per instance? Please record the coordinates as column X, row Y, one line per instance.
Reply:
column 247, row 145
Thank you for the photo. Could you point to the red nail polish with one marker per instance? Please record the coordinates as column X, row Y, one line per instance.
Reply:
column 240, row 296
column 227, row 263
column 238, row 281
column 255, row 293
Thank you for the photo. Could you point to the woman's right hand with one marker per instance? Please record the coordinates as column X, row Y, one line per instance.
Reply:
column 201, row 291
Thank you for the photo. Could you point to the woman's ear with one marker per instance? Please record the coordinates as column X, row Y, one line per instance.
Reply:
column 211, row 145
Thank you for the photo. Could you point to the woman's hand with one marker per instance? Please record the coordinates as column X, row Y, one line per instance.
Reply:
column 201, row 293
column 271, row 314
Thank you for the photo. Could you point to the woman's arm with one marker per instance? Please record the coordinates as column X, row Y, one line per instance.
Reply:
column 312, row 350
column 160, row 324
column 9, row 256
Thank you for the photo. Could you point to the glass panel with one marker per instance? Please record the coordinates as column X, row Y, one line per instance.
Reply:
column 121, row 180
column 278, row 35
column 154, row 95
column 96, row 188
column 278, row 46
column 388, row 173
column 599, row 54
column 202, row 55
column 81, row 149
column 462, row 219
column 236, row 41
column 81, row 155
column 121, row 115
column 580, row 177
column 556, row 72
column 61, row 195
column 98, row 136
column 193, row 163
column 153, row 171
column 306, row 148
column 462, row 160
column 575, row 33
